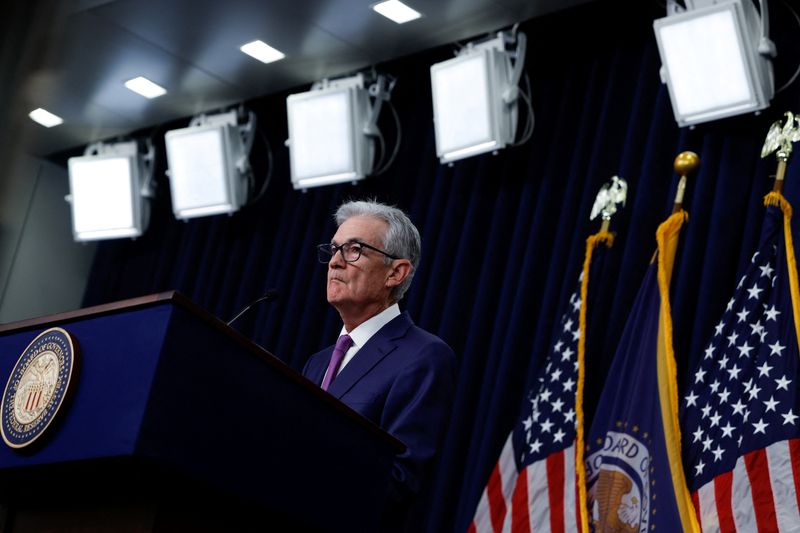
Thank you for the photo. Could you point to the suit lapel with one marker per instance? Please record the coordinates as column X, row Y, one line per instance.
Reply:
column 316, row 372
column 373, row 352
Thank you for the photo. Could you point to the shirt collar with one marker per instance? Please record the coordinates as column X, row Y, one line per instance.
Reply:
column 364, row 331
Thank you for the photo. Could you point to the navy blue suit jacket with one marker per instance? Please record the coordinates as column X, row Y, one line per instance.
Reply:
column 402, row 379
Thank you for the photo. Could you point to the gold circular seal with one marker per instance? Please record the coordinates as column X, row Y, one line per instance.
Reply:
column 37, row 387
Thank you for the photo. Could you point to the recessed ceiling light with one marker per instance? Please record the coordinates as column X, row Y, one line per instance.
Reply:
column 145, row 87
column 45, row 118
column 396, row 11
column 262, row 51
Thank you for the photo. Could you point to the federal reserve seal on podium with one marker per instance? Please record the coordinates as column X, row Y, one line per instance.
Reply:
column 37, row 387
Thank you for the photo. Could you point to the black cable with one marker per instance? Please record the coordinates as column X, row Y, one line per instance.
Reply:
column 527, row 132
column 797, row 71
column 268, row 177
column 386, row 166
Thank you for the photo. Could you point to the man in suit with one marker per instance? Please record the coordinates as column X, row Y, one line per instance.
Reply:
column 383, row 366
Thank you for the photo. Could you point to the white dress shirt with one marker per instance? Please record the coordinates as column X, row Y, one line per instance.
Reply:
column 364, row 332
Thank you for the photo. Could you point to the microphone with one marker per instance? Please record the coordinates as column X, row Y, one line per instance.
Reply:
column 268, row 297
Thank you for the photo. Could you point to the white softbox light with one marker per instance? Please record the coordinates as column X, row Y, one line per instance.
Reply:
column 475, row 99
column 105, row 193
column 327, row 139
column 207, row 166
column 715, row 61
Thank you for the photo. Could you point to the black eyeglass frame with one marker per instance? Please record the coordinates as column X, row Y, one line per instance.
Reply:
column 326, row 251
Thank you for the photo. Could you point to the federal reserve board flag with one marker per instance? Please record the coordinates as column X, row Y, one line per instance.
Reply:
column 538, row 483
column 740, row 412
column 633, row 464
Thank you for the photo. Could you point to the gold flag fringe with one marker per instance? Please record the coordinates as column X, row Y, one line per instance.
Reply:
column 777, row 199
column 666, row 259
column 592, row 242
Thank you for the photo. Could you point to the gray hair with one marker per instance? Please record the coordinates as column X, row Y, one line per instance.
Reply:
column 401, row 240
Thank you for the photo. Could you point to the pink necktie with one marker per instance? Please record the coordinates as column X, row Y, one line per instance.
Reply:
column 342, row 345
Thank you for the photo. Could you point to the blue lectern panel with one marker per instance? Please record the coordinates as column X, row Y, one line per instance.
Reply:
column 117, row 360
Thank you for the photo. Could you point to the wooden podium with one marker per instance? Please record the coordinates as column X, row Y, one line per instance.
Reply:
column 179, row 423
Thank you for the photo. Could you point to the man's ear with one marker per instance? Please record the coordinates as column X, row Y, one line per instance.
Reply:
column 400, row 270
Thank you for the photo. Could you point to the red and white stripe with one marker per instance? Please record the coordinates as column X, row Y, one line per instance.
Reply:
column 491, row 511
column 541, row 498
column 759, row 494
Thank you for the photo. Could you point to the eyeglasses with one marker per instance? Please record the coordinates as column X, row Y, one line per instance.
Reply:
column 351, row 251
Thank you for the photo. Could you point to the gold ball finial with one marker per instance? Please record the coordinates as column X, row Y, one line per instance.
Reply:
column 686, row 163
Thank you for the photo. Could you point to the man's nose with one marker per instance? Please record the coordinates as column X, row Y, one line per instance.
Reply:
column 337, row 259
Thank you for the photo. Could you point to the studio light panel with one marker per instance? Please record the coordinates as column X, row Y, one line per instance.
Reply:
column 327, row 144
column 711, row 63
column 470, row 116
column 105, row 197
column 202, row 170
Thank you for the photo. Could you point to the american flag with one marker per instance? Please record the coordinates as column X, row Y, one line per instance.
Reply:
column 535, row 484
column 740, row 413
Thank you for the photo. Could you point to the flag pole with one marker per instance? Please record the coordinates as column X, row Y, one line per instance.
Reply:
column 780, row 174
column 779, row 140
column 685, row 163
column 608, row 198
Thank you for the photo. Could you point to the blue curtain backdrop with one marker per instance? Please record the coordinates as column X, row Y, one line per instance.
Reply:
column 504, row 235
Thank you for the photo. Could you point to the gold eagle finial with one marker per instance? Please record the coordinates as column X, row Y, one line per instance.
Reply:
column 780, row 137
column 611, row 194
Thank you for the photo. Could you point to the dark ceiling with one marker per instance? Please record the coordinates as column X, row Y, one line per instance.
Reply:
column 191, row 47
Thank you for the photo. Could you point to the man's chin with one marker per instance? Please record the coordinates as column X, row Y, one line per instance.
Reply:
column 334, row 298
